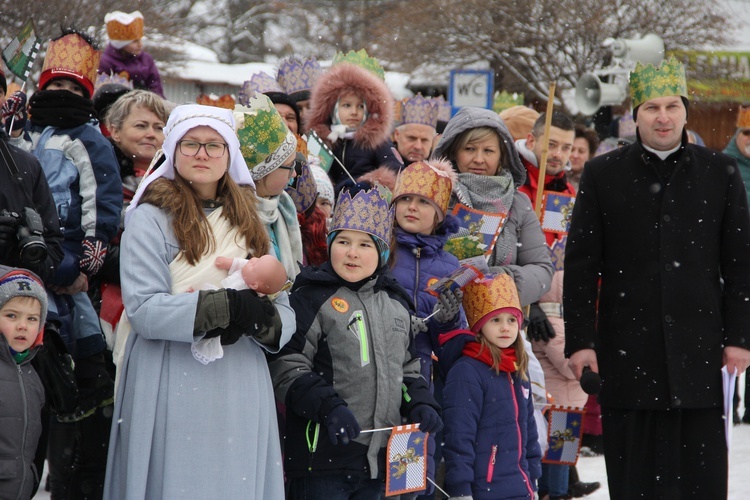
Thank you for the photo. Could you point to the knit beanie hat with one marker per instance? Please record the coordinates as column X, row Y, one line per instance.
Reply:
column 323, row 183
column 15, row 282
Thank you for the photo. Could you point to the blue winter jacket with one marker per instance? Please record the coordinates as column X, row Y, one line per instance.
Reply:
column 490, row 438
column 84, row 179
column 419, row 260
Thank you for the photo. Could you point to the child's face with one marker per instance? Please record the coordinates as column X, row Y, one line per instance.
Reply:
column 325, row 205
column 416, row 215
column 65, row 84
column 501, row 330
column 354, row 255
column 20, row 322
column 351, row 110
column 134, row 48
column 273, row 184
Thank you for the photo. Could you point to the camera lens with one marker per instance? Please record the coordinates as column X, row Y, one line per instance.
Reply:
column 34, row 251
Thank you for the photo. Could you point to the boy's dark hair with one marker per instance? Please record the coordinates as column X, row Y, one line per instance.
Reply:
column 559, row 120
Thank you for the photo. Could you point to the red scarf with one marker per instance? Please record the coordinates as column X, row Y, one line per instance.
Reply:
column 507, row 360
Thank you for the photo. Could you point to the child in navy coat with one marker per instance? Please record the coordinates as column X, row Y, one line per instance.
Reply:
column 491, row 449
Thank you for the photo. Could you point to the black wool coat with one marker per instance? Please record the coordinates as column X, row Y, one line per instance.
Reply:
column 657, row 274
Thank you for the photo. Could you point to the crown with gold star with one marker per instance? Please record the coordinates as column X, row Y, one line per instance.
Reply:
column 504, row 100
column 743, row 117
column 420, row 110
column 432, row 180
column 259, row 82
column 298, row 76
column 484, row 296
column 361, row 59
column 367, row 211
column 304, row 190
column 73, row 58
column 648, row 82
column 265, row 140
column 124, row 27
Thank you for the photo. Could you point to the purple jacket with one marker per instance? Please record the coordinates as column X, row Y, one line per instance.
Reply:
column 420, row 259
column 140, row 69
column 490, row 438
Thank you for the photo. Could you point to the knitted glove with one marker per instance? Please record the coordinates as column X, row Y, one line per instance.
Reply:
column 427, row 418
column 448, row 305
column 342, row 426
column 248, row 315
column 539, row 328
column 418, row 325
column 14, row 109
column 94, row 252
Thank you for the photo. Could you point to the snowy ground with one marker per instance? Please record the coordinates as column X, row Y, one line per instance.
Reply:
column 593, row 468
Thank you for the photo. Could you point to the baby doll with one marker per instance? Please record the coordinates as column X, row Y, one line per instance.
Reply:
column 266, row 274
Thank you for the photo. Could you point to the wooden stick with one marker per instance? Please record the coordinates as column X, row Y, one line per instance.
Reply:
column 545, row 150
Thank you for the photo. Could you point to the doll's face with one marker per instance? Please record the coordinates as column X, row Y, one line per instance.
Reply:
column 264, row 275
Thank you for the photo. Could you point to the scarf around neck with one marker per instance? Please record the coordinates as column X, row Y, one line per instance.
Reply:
column 60, row 108
column 507, row 360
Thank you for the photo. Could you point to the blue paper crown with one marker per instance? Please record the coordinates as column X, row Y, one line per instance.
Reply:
column 259, row 82
column 297, row 76
column 419, row 110
column 367, row 211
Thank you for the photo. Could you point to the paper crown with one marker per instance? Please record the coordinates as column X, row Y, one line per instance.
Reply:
column 124, row 27
column 259, row 82
column 362, row 60
column 420, row 110
column 304, row 190
column 626, row 125
column 367, row 211
column 444, row 109
column 432, row 180
column 112, row 78
column 71, row 57
column 504, row 100
column 225, row 101
column 265, row 140
column 648, row 82
column 298, row 76
column 486, row 295
column 743, row 117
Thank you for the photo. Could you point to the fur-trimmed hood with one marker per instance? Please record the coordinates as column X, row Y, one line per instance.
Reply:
column 347, row 77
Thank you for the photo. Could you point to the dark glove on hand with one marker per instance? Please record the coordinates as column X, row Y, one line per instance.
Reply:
column 8, row 239
column 448, row 305
column 418, row 325
column 342, row 426
column 427, row 418
column 248, row 312
column 94, row 252
column 539, row 328
column 228, row 335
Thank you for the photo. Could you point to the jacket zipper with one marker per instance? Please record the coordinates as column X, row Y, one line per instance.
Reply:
column 520, row 436
column 416, row 281
column 491, row 466
column 25, row 430
column 312, row 445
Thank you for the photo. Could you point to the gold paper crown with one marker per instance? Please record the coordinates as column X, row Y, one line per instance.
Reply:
column 71, row 56
column 504, row 100
column 743, row 117
column 487, row 295
column 429, row 180
column 362, row 60
column 122, row 27
column 648, row 82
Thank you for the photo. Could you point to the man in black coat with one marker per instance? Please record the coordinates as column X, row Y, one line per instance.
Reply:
column 657, row 296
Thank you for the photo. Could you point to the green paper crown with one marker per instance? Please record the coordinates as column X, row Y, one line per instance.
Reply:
column 648, row 82
column 362, row 60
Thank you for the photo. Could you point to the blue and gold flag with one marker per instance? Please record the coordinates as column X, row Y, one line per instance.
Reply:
column 407, row 461
column 556, row 211
column 563, row 435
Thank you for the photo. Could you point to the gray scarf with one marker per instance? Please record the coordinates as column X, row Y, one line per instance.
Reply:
column 492, row 194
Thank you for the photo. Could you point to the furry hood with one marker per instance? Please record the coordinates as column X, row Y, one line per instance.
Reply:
column 346, row 77
column 468, row 118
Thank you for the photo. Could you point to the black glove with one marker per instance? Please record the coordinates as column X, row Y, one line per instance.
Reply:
column 248, row 315
column 427, row 418
column 342, row 426
column 539, row 328
column 448, row 305
column 8, row 238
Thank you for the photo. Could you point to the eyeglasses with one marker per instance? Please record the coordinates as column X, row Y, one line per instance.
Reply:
column 213, row 149
column 299, row 162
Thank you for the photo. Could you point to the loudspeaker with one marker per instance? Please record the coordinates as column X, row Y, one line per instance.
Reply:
column 647, row 50
column 591, row 94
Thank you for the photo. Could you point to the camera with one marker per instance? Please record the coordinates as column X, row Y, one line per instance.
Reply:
column 29, row 232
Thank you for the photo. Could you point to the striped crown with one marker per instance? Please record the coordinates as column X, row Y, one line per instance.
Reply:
column 420, row 110
column 487, row 295
column 362, row 60
column 259, row 82
column 367, row 211
column 304, row 191
column 298, row 76
column 648, row 82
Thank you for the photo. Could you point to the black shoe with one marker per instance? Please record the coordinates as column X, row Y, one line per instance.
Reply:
column 746, row 416
column 581, row 489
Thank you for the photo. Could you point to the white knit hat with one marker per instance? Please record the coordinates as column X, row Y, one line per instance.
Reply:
column 323, row 181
